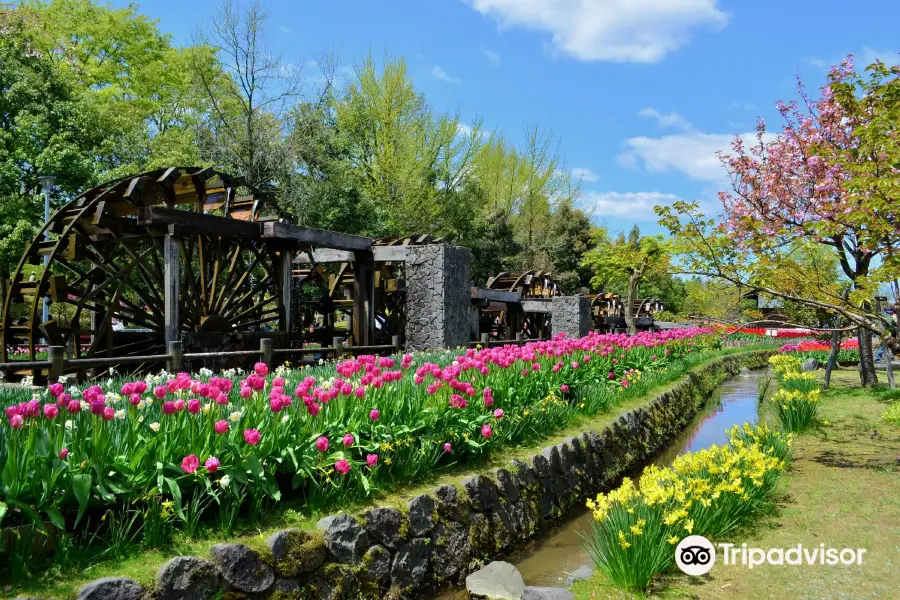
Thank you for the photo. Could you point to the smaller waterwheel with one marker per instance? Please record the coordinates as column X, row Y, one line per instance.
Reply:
column 107, row 253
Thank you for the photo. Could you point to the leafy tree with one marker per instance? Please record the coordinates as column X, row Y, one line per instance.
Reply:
column 570, row 234
column 625, row 262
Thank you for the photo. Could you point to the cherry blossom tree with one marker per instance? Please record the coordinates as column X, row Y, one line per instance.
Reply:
column 828, row 178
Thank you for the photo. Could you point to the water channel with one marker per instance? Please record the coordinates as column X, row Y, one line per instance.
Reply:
column 546, row 561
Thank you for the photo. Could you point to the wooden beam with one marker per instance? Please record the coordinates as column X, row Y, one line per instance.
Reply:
column 171, row 281
column 285, row 271
column 188, row 222
column 330, row 255
column 490, row 295
column 306, row 236
column 536, row 306
column 363, row 299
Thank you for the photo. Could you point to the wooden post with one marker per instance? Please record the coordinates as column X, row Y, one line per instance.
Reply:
column 485, row 339
column 520, row 336
column 286, row 266
column 171, row 282
column 395, row 342
column 175, row 355
column 338, row 344
column 57, row 356
column 363, row 298
column 265, row 350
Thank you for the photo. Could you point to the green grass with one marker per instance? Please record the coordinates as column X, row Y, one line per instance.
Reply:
column 843, row 490
column 141, row 565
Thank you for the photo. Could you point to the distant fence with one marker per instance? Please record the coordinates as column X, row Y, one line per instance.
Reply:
column 56, row 362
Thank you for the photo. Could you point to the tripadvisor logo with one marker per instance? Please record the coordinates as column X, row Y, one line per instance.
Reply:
column 696, row 555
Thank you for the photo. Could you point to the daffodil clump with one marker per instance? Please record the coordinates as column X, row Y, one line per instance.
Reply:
column 707, row 493
column 892, row 414
column 796, row 403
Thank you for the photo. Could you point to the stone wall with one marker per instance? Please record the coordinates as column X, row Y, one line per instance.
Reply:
column 437, row 297
column 571, row 315
column 437, row 538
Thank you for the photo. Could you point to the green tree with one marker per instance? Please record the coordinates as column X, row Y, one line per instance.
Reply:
column 625, row 262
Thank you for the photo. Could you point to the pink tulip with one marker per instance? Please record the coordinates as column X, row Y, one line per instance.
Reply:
column 252, row 436
column 348, row 440
column 109, row 413
column 342, row 466
column 221, row 427
column 212, row 464
column 261, row 369
column 374, row 414
column 448, row 448
column 564, row 388
column 246, row 392
column 371, row 460
column 16, row 422
column 64, row 454
column 160, row 391
column 168, row 407
column 193, row 406
column 135, row 399
column 497, row 414
column 322, row 444
column 190, row 463
column 179, row 405
column 51, row 411
column 73, row 407
column 486, row 430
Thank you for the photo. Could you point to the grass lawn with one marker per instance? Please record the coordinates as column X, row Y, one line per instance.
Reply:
column 141, row 565
column 842, row 491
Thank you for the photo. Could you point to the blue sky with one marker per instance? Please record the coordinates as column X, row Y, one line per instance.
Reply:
column 641, row 93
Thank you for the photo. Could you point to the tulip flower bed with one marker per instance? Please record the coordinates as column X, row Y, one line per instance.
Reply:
column 706, row 493
column 755, row 332
column 847, row 353
column 171, row 447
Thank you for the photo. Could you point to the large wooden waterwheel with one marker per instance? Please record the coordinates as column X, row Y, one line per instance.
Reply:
column 107, row 252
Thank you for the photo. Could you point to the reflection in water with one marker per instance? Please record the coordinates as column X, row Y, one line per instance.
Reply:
column 546, row 561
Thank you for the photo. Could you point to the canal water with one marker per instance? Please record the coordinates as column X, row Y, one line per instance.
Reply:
column 546, row 561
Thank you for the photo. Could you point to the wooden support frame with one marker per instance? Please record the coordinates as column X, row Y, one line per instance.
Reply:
column 186, row 222
column 363, row 299
column 285, row 276
column 171, row 283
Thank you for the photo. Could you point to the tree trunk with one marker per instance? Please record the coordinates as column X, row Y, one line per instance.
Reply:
column 633, row 283
column 832, row 356
column 867, row 376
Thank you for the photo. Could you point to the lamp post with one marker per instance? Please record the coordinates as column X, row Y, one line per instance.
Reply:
column 47, row 182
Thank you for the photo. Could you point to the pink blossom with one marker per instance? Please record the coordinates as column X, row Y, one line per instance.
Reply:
column 135, row 399
column 564, row 388
column 261, row 369
column 371, row 460
column 190, row 463
column 342, row 466
column 498, row 413
column 246, row 392
column 322, row 444
column 486, row 430
column 16, row 422
column 63, row 454
column 51, row 411
column 252, row 436
column 160, row 391
column 179, row 405
column 109, row 413
column 348, row 439
column 73, row 407
column 374, row 414
column 448, row 448
column 212, row 464
column 221, row 427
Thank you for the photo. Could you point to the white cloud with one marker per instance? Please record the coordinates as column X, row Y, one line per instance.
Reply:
column 672, row 119
column 626, row 205
column 611, row 30
column 692, row 153
column 441, row 74
column 492, row 57
column 869, row 55
column 284, row 29
column 585, row 174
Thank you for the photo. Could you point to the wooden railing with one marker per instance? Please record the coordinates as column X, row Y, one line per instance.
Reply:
column 56, row 361
column 486, row 341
